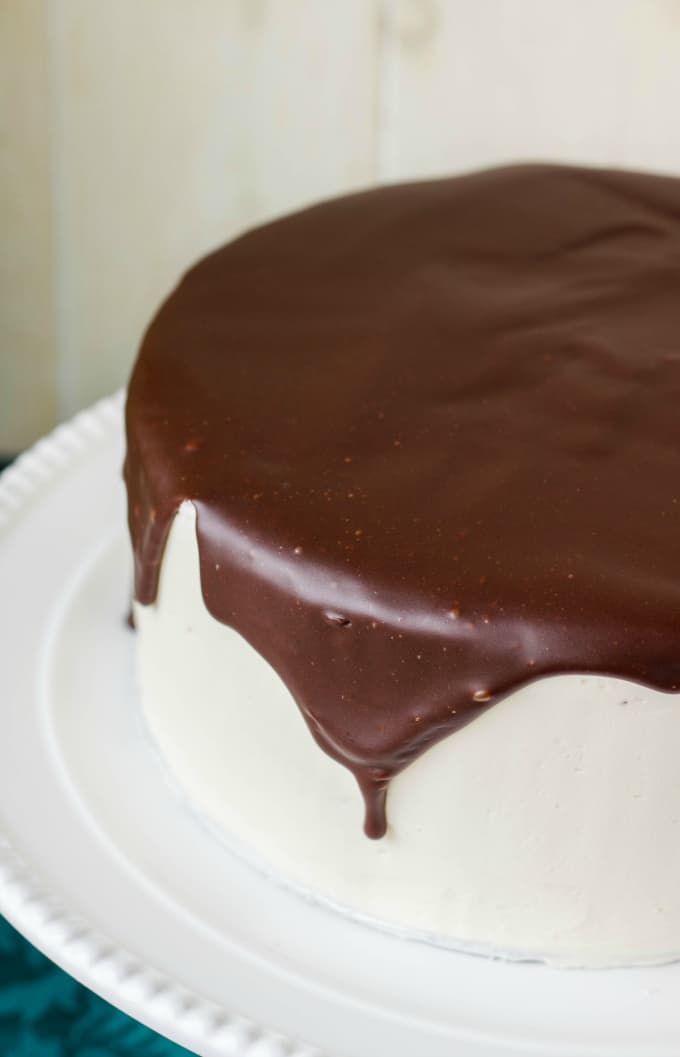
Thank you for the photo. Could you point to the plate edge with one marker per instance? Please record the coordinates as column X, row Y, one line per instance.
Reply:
column 61, row 934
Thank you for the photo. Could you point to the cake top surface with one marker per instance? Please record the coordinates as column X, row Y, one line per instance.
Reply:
column 432, row 436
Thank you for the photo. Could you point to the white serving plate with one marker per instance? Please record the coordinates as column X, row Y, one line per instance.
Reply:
column 106, row 869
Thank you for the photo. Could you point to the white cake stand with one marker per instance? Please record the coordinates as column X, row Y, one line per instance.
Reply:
column 105, row 868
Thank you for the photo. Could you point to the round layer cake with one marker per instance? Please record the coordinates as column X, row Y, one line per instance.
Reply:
column 404, row 495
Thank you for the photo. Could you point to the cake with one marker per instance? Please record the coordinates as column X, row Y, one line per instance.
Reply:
column 403, row 474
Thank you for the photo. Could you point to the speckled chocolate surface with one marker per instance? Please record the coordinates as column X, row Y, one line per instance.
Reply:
column 432, row 433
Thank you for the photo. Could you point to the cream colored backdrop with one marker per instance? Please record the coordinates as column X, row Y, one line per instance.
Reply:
column 138, row 134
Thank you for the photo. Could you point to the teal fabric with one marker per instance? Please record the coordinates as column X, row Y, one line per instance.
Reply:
column 45, row 1013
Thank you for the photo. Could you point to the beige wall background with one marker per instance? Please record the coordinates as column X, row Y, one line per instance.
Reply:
column 138, row 134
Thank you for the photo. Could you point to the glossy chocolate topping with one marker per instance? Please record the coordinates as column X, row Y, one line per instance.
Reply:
column 432, row 434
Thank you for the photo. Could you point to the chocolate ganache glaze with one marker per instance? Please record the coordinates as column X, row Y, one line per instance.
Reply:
column 432, row 435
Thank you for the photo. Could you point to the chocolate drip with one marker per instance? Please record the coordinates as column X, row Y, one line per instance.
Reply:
column 374, row 791
column 432, row 436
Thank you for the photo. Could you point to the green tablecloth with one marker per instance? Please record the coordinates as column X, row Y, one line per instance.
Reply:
column 45, row 1013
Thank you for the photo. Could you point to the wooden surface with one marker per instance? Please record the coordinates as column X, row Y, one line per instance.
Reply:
column 138, row 135
column 28, row 401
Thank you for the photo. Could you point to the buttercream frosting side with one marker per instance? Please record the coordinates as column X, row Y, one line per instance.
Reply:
column 546, row 828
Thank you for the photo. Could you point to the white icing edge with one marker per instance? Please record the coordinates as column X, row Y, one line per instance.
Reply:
column 586, row 874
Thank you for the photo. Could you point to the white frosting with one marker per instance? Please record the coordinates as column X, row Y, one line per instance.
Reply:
column 547, row 828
